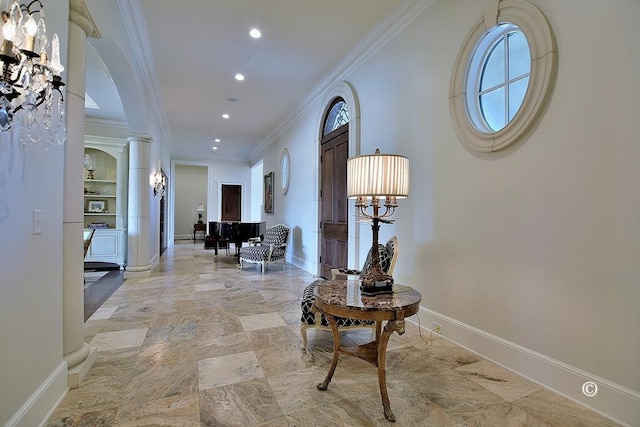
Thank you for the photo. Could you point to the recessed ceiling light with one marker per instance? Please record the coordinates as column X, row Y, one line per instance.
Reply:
column 255, row 33
column 225, row 116
column 239, row 77
column 216, row 140
column 214, row 148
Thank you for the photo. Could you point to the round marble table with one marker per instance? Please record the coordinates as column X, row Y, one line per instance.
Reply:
column 342, row 298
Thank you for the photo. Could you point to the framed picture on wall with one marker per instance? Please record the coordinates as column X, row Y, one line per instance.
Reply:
column 268, row 193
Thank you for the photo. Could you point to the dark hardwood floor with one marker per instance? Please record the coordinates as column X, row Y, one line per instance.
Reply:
column 96, row 293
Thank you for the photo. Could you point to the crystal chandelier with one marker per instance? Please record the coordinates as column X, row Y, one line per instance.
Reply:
column 30, row 78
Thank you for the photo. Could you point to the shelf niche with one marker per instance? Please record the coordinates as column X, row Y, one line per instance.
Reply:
column 105, row 199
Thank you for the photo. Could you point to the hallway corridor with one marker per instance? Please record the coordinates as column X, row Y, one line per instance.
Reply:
column 201, row 342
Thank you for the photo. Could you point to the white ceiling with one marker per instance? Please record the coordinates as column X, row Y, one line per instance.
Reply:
column 199, row 45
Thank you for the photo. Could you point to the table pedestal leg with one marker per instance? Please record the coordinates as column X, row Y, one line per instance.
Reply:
column 391, row 327
column 336, row 352
column 379, row 349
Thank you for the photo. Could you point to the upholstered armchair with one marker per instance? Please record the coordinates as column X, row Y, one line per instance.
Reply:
column 273, row 248
column 312, row 318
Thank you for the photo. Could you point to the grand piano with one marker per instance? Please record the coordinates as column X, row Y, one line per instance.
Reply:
column 233, row 232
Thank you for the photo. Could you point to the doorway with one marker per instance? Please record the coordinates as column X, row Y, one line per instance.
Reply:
column 163, row 215
column 231, row 202
column 334, row 228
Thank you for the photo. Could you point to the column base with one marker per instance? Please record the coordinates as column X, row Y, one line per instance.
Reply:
column 77, row 373
column 128, row 274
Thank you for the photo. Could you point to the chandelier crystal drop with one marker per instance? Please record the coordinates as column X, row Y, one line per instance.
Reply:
column 30, row 82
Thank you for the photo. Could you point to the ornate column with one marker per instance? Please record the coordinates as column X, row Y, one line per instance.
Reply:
column 139, row 250
column 79, row 356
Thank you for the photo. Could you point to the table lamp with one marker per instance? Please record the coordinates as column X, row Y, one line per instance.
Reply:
column 200, row 209
column 370, row 178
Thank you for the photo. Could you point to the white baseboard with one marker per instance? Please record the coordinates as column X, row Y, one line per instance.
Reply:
column 303, row 264
column 37, row 409
column 612, row 400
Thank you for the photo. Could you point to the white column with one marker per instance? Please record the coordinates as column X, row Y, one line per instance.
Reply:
column 139, row 217
column 79, row 356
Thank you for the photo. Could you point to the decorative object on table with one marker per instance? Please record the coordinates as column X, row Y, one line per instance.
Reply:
column 200, row 210
column 30, row 77
column 90, row 164
column 285, row 171
column 371, row 178
column 159, row 184
column 268, row 193
column 96, row 206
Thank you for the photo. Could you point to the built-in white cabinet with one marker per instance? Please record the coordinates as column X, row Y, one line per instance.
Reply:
column 105, row 198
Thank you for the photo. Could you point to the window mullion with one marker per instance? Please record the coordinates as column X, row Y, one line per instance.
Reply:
column 506, row 78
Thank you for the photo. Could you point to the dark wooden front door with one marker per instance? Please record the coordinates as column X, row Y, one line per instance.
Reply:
column 231, row 202
column 163, row 217
column 333, row 199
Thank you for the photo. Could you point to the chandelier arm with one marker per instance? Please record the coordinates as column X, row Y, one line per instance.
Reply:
column 27, row 8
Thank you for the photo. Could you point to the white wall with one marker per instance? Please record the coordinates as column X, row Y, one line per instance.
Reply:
column 530, row 255
column 33, row 374
column 299, row 207
column 256, row 192
column 190, row 187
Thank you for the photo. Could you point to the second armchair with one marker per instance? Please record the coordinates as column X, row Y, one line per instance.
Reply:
column 273, row 248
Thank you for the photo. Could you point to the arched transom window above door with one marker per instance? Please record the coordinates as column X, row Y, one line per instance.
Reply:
column 337, row 116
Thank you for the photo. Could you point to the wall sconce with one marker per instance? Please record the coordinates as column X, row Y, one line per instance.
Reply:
column 370, row 178
column 159, row 184
column 200, row 210
column 29, row 77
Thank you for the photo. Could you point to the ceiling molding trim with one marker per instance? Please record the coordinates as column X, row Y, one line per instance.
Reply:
column 187, row 160
column 136, row 27
column 106, row 124
column 400, row 17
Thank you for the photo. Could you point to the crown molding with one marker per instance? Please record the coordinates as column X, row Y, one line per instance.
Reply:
column 135, row 25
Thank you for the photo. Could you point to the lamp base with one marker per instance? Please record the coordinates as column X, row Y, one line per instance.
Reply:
column 376, row 290
column 376, row 282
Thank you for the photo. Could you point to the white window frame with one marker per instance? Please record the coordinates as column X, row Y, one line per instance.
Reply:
column 544, row 59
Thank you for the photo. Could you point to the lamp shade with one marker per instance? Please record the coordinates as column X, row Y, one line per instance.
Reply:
column 378, row 175
column 200, row 208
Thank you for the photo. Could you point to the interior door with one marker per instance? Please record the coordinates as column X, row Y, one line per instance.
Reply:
column 231, row 202
column 333, row 199
column 163, row 217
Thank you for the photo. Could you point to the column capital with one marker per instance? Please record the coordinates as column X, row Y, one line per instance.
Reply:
column 79, row 14
column 140, row 138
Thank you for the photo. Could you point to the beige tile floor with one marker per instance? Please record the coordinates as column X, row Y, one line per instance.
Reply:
column 202, row 343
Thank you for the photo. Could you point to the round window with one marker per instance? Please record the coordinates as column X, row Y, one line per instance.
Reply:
column 498, row 78
column 503, row 77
